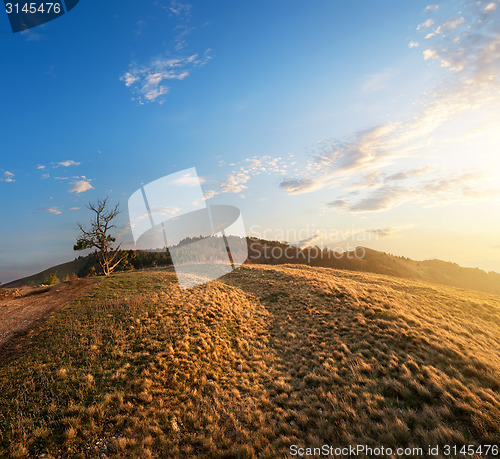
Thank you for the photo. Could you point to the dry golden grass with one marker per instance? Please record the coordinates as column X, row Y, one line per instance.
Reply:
column 248, row 365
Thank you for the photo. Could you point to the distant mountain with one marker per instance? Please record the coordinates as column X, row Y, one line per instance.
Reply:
column 368, row 260
column 62, row 270
column 439, row 271
column 276, row 253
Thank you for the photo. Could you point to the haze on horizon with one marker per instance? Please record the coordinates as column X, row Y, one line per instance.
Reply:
column 342, row 124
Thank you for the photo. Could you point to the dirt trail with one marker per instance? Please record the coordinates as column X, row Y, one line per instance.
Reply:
column 20, row 314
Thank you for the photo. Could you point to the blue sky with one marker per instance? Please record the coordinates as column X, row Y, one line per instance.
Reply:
column 333, row 123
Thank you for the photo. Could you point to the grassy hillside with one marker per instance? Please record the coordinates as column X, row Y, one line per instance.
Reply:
column 368, row 260
column 266, row 357
column 277, row 253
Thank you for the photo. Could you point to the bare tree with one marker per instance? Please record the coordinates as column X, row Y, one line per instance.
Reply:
column 99, row 238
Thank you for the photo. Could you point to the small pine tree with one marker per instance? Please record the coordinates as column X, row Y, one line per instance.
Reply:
column 51, row 279
column 70, row 278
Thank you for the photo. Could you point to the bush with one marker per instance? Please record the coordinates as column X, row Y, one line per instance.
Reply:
column 70, row 278
column 51, row 279
column 92, row 272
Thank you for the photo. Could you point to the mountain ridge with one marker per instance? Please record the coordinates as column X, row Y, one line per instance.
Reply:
column 362, row 259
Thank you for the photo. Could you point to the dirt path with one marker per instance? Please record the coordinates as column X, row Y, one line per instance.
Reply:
column 19, row 315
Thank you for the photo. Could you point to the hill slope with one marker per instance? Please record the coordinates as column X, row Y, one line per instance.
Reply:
column 248, row 365
column 438, row 271
column 368, row 260
column 62, row 270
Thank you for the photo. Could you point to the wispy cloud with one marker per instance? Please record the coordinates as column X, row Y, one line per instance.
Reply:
column 81, row 186
column 235, row 183
column 432, row 7
column 33, row 35
column 179, row 9
column 448, row 25
column 249, row 167
column 367, row 234
column 152, row 82
column 471, row 48
column 53, row 210
column 188, row 180
column 209, row 194
column 149, row 83
column 471, row 44
column 66, row 163
column 182, row 12
column 7, row 177
column 180, row 39
column 301, row 185
column 432, row 191
column 426, row 24
column 125, row 230
column 383, row 232
column 378, row 177
column 404, row 175
column 379, row 200
column 336, row 159
column 338, row 204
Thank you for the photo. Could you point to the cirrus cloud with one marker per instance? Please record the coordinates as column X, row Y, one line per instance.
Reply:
column 466, row 187
column 150, row 83
column 471, row 49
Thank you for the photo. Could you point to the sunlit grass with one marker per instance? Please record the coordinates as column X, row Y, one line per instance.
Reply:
column 247, row 365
